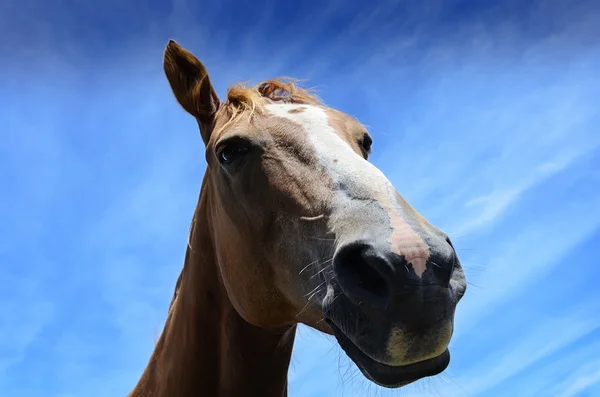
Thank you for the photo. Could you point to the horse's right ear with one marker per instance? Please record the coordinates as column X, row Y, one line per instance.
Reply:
column 192, row 88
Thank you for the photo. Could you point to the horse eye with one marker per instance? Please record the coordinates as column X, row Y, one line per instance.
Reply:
column 365, row 144
column 230, row 152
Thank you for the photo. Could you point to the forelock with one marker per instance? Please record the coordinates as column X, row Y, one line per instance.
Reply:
column 243, row 99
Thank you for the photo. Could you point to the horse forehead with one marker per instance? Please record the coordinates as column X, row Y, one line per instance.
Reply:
column 311, row 119
column 303, row 115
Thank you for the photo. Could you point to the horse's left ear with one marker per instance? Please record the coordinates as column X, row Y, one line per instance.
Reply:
column 191, row 86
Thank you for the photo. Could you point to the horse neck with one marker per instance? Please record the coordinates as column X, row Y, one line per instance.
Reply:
column 206, row 348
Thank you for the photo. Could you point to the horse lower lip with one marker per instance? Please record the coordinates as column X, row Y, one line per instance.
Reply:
column 387, row 375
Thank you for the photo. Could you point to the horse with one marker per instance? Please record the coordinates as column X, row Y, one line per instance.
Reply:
column 294, row 225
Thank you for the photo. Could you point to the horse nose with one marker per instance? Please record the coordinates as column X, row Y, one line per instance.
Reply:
column 368, row 274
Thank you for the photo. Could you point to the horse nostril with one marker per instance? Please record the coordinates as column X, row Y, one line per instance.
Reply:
column 361, row 275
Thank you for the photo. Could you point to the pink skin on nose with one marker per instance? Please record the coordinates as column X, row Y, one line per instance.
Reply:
column 407, row 243
column 404, row 240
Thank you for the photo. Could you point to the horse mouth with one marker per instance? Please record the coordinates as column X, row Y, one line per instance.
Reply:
column 386, row 375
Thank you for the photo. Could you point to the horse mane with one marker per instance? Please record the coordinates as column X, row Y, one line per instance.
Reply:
column 243, row 98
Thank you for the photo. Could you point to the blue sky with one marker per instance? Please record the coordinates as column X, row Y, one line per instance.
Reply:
column 485, row 115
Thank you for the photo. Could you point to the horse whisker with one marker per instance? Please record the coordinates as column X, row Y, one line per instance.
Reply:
column 319, row 272
column 307, row 266
column 315, row 289
column 307, row 303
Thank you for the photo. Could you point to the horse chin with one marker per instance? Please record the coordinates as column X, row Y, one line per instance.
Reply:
column 387, row 375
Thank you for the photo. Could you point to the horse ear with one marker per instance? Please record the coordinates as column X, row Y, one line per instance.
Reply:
column 191, row 86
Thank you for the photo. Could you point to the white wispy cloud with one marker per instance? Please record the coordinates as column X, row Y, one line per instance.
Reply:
column 510, row 357
column 584, row 379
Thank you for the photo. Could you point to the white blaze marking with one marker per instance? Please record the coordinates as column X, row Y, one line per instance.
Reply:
column 361, row 177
